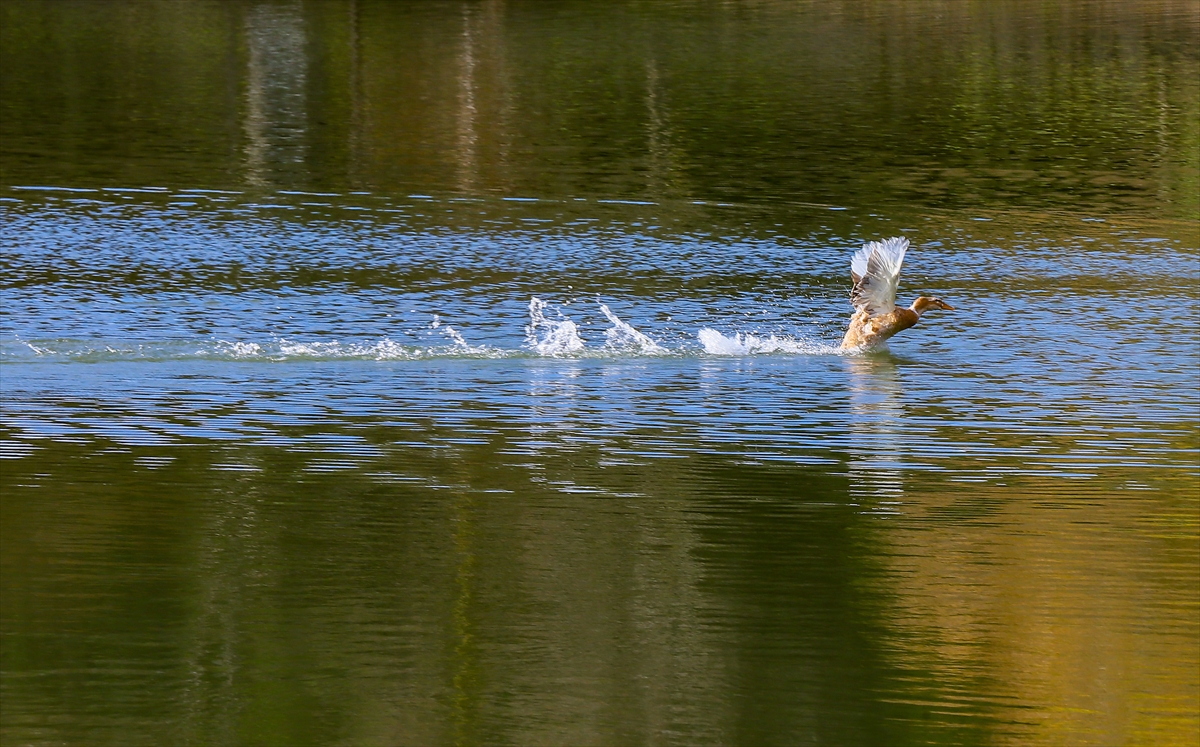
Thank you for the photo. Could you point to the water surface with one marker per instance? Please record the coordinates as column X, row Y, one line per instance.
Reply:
column 467, row 373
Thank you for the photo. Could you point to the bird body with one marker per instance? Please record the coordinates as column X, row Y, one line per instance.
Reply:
column 867, row 331
column 875, row 270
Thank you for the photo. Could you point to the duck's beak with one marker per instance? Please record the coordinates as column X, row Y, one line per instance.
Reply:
column 947, row 306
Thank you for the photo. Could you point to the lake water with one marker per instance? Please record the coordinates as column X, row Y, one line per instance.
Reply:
column 466, row 373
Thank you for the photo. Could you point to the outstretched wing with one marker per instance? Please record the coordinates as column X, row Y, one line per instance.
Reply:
column 876, row 272
column 858, row 263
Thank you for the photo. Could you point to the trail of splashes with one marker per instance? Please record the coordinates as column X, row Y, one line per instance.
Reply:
column 622, row 336
column 544, row 336
column 461, row 345
column 275, row 350
column 716, row 343
column 551, row 337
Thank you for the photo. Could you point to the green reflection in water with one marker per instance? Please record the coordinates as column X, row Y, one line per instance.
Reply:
column 466, row 674
column 1089, row 106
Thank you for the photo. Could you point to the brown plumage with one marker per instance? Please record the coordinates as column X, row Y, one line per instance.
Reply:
column 875, row 270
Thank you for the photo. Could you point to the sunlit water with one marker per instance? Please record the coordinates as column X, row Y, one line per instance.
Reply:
column 519, row 446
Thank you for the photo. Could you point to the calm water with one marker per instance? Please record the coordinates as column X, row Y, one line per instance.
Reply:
column 465, row 373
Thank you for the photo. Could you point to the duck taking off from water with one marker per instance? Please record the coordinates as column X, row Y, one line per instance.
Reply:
column 876, row 272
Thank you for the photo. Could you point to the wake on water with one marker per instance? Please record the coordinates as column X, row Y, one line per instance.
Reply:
column 558, row 337
column 549, row 334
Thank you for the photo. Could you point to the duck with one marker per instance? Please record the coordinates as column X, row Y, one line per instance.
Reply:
column 875, row 270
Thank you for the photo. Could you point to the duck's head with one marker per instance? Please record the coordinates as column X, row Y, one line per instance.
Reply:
column 925, row 303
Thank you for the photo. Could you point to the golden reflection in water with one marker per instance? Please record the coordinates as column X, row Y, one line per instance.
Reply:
column 465, row 152
column 1053, row 592
column 275, row 119
column 664, row 177
column 1064, row 609
column 480, row 74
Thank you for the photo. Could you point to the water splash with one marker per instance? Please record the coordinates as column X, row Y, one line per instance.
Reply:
column 740, row 343
column 551, row 337
column 623, row 337
column 549, row 333
column 462, row 347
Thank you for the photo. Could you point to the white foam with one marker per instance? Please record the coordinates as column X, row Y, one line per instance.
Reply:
column 381, row 350
column 623, row 337
column 276, row 350
column 740, row 343
column 386, row 350
column 549, row 333
column 551, row 337
column 291, row 349
column 244, row 349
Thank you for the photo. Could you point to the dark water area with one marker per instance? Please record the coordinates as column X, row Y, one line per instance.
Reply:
column 1078, row 106
column 467, row 373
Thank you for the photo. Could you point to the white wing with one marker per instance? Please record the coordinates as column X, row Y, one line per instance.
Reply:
column 876, row 272
column 858, row 263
